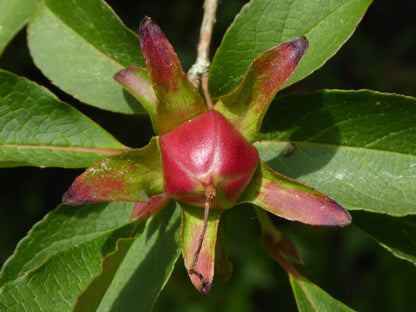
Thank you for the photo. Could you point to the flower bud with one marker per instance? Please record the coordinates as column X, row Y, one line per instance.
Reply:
column 207, row 153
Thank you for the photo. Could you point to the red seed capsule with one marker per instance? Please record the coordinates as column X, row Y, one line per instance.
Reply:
column 207, row 152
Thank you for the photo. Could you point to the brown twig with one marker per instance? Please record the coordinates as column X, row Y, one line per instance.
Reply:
column 199, row 71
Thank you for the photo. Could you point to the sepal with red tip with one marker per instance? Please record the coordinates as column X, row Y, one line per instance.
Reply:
column 192, row 225
column 177, row 98
column 292, row 200
column 246, row 105
column 134, row 176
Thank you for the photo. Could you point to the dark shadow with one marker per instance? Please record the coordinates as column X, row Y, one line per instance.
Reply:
column 133, row 103
column 82, row 211
column 305, row 123
column 153, row 266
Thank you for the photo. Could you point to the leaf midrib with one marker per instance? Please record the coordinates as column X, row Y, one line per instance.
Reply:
column 333, row 146
column 68, row 148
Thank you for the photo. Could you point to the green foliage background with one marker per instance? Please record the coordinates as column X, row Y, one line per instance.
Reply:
column 345, row 262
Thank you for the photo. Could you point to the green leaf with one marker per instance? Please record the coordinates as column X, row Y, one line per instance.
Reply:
column 263, row 24
column 13, row 16
column 245, row 106
column 147, row 265
column 63, row 228
column 200, row 272
column 177, row 98
column 357, row 147
column 75, row 248
column 91, row 297
column 310, row 297
column 80, row 45
column 292, row 200
column 39, row 130
column 396, row 234
column 55, row 285
column 133, row 176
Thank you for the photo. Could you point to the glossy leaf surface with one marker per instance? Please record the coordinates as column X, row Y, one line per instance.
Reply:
column 147, row 266
column 40, row 130
column 90, row 298
column 130, row 176
column 263, row 24
column 63, row 255
column 348, row 145
column 58, row 281
column 80, row 45
column 61, row 229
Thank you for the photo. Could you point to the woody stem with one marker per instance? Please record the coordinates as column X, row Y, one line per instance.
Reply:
column 199, row 71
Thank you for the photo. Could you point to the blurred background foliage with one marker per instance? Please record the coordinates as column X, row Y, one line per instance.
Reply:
column 345, row 262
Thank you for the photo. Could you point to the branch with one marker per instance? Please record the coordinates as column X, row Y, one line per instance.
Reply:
column 199, row 71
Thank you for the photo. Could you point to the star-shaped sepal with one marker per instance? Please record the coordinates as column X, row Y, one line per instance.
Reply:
column 204, row 158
